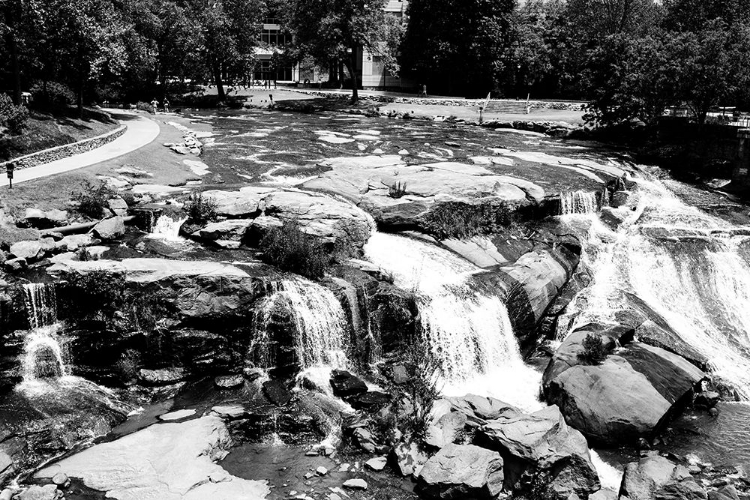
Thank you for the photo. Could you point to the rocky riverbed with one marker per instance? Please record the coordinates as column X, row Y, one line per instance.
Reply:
column 345, row 306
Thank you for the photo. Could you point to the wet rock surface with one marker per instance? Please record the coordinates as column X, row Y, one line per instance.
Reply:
column 630, row 394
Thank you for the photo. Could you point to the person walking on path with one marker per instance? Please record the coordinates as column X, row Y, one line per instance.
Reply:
column 155, row 104
column 166, row 105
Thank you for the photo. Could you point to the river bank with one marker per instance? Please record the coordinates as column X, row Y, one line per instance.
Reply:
column 436, row 233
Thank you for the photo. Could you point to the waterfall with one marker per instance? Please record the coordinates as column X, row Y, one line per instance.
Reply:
column 468, row 333
column 168, row 228
column 578, row 202
column 43, row 355
column 689, row 267
column 320, row 330
column 41, row 304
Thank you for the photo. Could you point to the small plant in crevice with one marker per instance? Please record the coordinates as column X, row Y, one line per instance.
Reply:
column 419, row 392
column 201, row 209
column 93, row 199
column 594, row 350
column 127, row 366
column 291, row 249
column 397, row 189
column 461, row 220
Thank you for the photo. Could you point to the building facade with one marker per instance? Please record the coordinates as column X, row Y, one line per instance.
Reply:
column 371, row 71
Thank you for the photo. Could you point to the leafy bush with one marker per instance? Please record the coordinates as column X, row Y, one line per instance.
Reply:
column 421, row 391
column 127, row 366
column 144, row 106
column 96, row 295
column 51, row 96
column 459, row 220
column 397, row 189
column 200, row 209
column 92, row 199
column 11, row 116
column 291, row 249
column 594, row 350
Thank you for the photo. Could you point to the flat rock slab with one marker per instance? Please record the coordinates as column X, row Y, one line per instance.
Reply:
column 162, row 462
column 229, row 411
column 177, row 415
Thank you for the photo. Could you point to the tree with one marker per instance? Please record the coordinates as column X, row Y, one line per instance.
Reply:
column 338, row 30
column 82, row 39
column 229, row 34
column 597, row 19
column 457, row 46
column 19, row 23
column 713, row 65
column 161, row 44
column 629, row 79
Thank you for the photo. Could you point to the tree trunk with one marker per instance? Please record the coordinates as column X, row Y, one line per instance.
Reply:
column 15, row 68
column 216, row 68
column 332, row 78
column 353, row 71
column 79, row 97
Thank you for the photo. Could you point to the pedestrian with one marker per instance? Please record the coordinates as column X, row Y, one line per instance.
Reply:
column 166, row 105
column 155, row 104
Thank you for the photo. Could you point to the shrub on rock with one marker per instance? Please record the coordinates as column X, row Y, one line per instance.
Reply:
column 290, row 249
column 594, row 350
column 93, row 199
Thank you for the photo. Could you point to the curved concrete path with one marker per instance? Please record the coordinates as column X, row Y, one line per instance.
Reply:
column 140, row 132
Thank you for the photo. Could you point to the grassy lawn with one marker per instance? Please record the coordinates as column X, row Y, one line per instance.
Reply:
column 47, row 131
column 166, row 166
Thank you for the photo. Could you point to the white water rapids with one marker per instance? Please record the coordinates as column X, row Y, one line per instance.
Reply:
column 467, row 333
column 691, row 268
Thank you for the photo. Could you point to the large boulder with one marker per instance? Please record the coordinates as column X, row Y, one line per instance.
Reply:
column 544, row 457
column 399, row 194
column 462, row 471
column 457, row 418
column 329, row 219
column 632, row 394
column 531, row 284
column 655, row 476
column 28, row 250
column 110, row 229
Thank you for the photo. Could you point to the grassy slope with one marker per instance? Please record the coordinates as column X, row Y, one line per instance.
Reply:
column 54, row 192
column 46, row 131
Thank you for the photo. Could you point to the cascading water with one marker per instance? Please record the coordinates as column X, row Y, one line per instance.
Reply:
column 578, row 202
column 43, row 354
column 468, row 333
column 317, row 318
column 41, row 304
column 167, row 228
column 689, row 267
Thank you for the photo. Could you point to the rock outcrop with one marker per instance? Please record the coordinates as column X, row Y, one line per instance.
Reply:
column 543, row 456
column 258, row 208
column 462, row 471
column 632, row 394
column 142, row 465
column 397, row 194
column 655, row 476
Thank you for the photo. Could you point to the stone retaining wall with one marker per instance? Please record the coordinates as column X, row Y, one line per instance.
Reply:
column 560, row 105
column 64, row 151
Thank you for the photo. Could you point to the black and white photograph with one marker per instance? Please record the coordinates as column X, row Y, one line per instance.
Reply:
column 375, row 249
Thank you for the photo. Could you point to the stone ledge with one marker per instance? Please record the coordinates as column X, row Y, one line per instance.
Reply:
column 65, row 151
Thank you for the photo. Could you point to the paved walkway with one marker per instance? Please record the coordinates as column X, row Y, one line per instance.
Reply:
column 140, row 132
